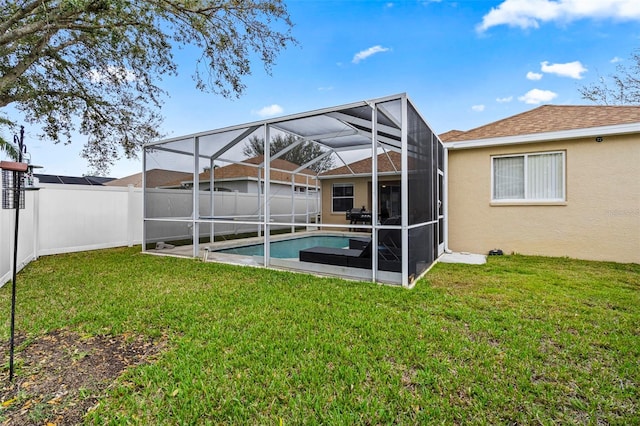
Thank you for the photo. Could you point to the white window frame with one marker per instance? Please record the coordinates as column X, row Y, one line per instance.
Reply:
column 353, row 197
column 527, row 199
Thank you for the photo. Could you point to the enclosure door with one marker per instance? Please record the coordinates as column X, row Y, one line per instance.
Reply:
column 389, row 199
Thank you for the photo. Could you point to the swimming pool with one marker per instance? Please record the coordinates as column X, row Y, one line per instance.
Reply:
column 285, row 249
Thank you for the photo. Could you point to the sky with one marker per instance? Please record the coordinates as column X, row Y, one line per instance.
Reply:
column 463, row 64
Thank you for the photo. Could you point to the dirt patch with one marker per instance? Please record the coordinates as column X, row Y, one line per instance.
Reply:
column 62, row 375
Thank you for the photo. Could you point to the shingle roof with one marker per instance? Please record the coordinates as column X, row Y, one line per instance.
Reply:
column 363, row 167
column 550, row 118
column 279, row 172
column 450, row 135
column 166, row 178
column 155, row 178
column 279, row 168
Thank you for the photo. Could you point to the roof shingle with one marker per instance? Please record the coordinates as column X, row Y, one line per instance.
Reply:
column 155, row 178
column 170, row 178
column 550, row 118
column 363, row 167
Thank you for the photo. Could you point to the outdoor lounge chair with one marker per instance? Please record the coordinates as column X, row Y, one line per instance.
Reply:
column 388, row 258
column 358, row 255
column 352, row 258
column 359, row 243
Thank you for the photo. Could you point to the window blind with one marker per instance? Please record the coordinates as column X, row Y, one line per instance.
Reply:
column 529, row 177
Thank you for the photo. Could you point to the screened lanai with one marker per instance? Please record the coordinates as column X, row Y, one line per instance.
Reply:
column 354, row 191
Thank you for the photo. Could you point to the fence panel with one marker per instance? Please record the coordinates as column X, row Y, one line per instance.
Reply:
column 26, row 237
column 68, row 218
column 78, row 217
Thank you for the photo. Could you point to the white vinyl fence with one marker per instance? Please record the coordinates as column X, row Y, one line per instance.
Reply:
column 236, row 210
column 68, row 218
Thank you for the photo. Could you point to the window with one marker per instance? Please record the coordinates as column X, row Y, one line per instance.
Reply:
column 342, row 197
column 534, row 177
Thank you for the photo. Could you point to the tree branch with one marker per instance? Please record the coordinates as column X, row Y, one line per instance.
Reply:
column 16, row 72
column 53, row 23
column 18, row 15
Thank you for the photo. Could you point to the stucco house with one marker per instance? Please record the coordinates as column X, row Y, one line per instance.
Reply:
column 556, row 181
column 349, row 187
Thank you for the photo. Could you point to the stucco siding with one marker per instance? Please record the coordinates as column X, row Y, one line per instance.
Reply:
column 362, row 196
column 600, row 219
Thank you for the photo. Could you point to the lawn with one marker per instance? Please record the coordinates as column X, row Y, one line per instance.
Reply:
column 519, row 340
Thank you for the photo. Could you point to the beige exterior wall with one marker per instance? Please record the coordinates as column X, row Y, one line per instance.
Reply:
column 600, row 219
column 362, row 196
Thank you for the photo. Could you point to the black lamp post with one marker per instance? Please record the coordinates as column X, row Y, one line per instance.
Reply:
column 18, row 169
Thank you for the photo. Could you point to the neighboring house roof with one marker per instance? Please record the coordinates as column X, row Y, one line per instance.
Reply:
column 386, row 164
column 278, row 167
column 73, row 180
column 236, row 171
column 552, row 119
column 155, row 178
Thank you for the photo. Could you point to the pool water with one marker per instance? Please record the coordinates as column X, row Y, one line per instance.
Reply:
column 289, row 248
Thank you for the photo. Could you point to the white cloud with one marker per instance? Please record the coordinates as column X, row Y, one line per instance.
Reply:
column 325, row 89
column 388, row 5
column 570, row 69
column 478, row 108
column 111, row 73
column 615, row 59
column 504, row 100
column 269, row 111
column 537, row 96
column 530, row 13
column 364, row 54
column 534, row 76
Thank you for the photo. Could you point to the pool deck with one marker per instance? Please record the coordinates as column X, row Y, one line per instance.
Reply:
column 207, row 251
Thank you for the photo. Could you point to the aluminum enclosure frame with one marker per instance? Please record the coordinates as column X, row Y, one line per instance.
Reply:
column 370, row 127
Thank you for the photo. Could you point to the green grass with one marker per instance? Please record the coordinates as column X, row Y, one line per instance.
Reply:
column 520, row 340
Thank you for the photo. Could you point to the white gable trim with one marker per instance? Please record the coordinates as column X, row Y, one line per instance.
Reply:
column 620, row 129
